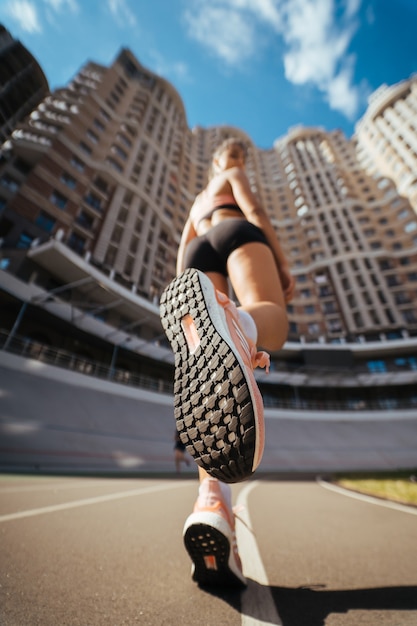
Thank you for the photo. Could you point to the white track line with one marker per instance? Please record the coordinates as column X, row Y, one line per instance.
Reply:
column 388, row 504
column 56, row 485
column 258, row 606
column 88, row 501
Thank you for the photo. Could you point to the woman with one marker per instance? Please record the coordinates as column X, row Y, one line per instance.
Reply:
column 179, row 453
column 218, row 407
column 259, row 274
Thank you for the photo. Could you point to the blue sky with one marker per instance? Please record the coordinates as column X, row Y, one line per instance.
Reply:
column 260, row 65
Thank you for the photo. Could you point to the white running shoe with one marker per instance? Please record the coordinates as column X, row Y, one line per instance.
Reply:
column 217, row 404
column 210, row 540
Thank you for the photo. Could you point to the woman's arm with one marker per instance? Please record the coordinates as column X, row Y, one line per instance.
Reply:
column 188, row 234
column 255, row 214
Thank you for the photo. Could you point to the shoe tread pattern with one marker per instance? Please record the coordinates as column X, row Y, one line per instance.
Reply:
column 212, row 404
column 203, row 540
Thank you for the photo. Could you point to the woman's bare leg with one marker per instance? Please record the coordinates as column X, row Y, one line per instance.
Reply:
column 202, row 474
column 219, row 281
column 255, row 280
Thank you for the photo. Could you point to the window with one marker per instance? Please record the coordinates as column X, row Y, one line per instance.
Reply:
column 114, row 164
column 406, row 363
column 119, row 152
column 58, row 199
column 45, row 221
column 92, row 136
column 392, row 281
column 77, row 164
column 85, row 220
column 24, row 241
column 9, row 183
column 76, row 243
column 410, row 227
column 94, row 201
column 409, row 316
column 99, row 125
column 101, row 184
column 123, row 213
column 22, row 166
column 377, row 366
column 85, row 148
column 68, row 180
column 293, row 328
column 124, row 140
column 117, row 234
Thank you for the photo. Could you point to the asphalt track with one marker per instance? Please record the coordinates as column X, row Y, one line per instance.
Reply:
column 108, row 552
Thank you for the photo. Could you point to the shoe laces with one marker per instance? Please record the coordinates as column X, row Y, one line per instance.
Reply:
column 258, row 358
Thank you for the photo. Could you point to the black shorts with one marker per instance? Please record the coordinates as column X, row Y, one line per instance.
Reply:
column 209, row 252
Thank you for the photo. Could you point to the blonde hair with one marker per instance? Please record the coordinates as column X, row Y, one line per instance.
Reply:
column 227, row 143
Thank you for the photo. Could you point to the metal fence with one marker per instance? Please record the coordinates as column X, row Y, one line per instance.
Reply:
column 29, row 349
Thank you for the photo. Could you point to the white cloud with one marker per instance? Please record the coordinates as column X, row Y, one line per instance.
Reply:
column 317, row 50
column 24, row 12
column 169, row 69
column 223, row 30
column 268, row 11
column 179, row 69
column 342, row 95
column 316, row 35
column 58, row 5
column 122, row 12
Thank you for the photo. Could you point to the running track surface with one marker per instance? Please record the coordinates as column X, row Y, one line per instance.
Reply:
column 108, row 552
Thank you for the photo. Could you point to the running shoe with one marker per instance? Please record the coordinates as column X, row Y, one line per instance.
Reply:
column 210, row 540
column 217, row 404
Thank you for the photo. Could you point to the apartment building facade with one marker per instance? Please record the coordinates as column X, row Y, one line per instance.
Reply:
column 108, row 166
column 95, row 186
column 23, row 84
column 386, row 136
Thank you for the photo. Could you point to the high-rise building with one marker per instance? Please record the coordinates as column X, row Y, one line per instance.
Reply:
column 386, row 137
column 96, row 184
column 22, row 83
column 109, row 163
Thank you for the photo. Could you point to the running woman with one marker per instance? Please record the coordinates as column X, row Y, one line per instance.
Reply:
column 227, row 239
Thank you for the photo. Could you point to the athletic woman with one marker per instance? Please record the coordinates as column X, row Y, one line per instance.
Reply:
column 228, row 240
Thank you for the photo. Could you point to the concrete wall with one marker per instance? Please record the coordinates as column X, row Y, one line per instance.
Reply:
column 52, row 419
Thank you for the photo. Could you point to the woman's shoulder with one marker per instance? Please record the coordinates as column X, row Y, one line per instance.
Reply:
column 236, row 172
column 219, row 184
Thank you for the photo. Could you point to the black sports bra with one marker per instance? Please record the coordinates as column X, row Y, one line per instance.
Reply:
column 206, row 205
column 230, row 207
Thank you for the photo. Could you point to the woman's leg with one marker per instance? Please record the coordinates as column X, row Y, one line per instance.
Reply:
column 219, row 281
column 255, row 281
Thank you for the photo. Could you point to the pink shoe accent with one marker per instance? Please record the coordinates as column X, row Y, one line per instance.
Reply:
column 210, row 539
column 251, row 359
column 190, row 332
column 260, row 359
column 257, row 359
column 218, row 407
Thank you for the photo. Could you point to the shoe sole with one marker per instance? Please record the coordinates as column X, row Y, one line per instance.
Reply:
column 207, row 539
column 216, row 417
